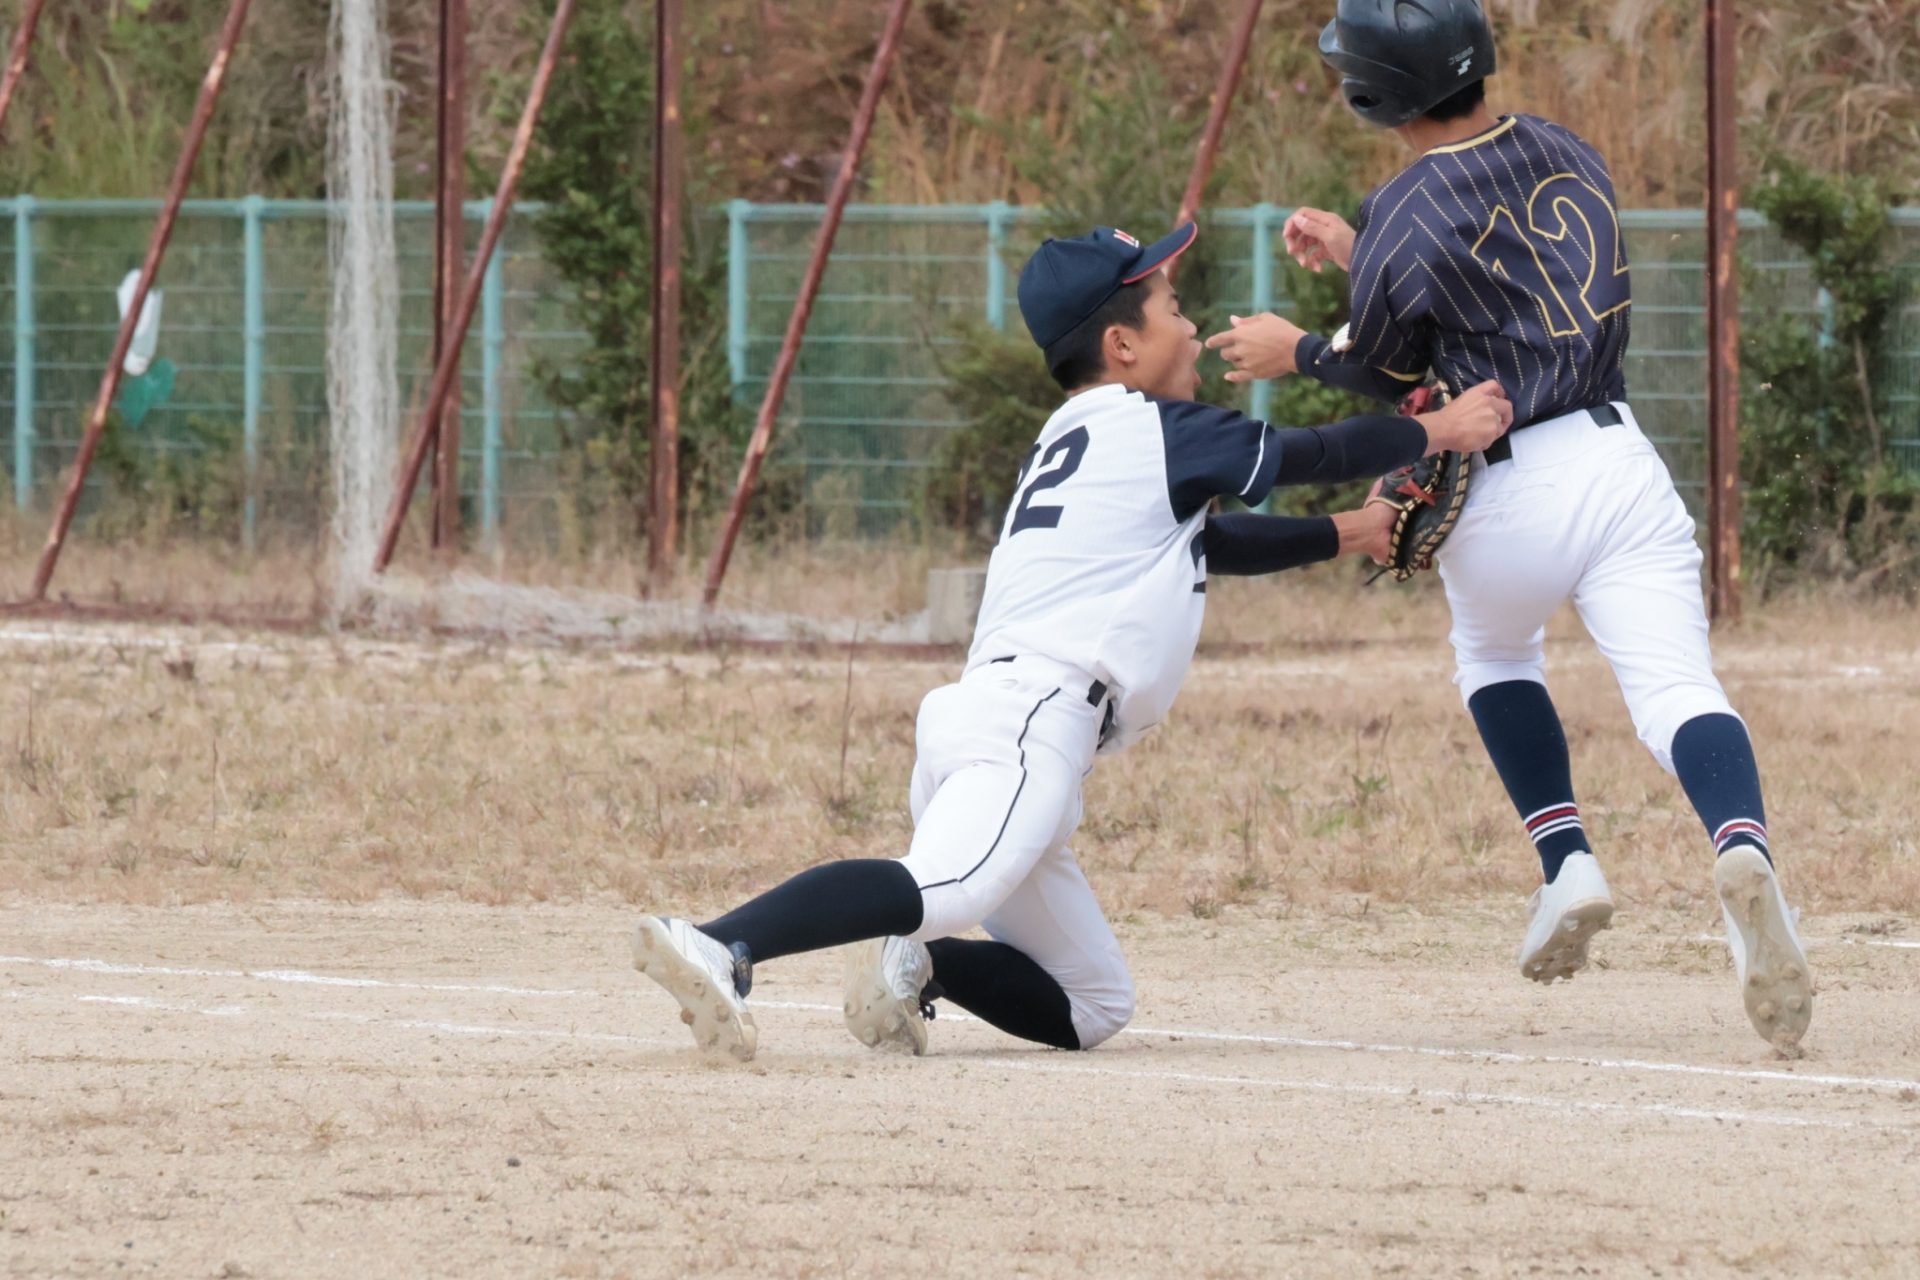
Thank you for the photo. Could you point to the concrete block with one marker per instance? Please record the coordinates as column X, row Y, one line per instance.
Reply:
column 953, row 604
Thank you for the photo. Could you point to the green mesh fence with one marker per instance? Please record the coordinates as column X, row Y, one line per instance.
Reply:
column 901, row 278
column 244, row 326
column 246, row 295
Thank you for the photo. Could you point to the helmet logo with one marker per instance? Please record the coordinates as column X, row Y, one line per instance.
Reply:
column 1462, row 61
column 1126, row 239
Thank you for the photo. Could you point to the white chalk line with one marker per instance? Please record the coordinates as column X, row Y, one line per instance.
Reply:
column 295, row 976
column 1411, row 1093
column 1468, row 1097
column 1844, row 940
column 362, row 1019
column 1892, row 1084
column 1889, row 1084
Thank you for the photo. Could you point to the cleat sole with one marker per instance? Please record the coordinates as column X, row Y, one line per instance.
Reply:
column 876, row 1016
column 718, row 1026
column 1778, row 992
column 1565, row 952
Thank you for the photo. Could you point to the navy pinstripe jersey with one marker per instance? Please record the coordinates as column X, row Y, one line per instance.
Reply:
column 1494, row 258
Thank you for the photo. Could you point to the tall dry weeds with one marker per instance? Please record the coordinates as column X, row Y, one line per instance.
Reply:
column 1837, row 88
column 1319, row 752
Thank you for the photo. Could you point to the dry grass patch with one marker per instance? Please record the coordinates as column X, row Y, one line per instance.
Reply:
column 1319, row 754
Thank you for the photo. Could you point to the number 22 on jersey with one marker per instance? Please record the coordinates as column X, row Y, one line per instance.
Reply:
column 1061, row 459
column 1563, row 213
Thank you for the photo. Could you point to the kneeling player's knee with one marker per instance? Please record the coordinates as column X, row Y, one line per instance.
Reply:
column 1101, row 1012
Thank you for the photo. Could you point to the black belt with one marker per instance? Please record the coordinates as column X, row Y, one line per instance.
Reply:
column 1096, row 692
column 1501, row 450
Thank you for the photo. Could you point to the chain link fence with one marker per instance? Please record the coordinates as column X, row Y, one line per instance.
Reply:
column 242, row 428
column 867, row 409
column 236, row 420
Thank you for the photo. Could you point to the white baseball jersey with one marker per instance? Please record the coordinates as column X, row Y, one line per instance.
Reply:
column 1100, row 564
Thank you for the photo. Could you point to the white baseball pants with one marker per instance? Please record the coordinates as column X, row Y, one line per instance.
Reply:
column 995, row 796
column 1586, row 513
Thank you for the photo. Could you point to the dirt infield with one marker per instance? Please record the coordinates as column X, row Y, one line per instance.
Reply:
column 312, row 963
column 413, row 1088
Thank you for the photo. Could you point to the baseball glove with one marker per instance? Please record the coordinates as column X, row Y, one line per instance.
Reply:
column 1429, row 495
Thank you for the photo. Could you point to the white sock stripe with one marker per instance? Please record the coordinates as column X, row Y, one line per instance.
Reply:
column 1568, row 824
column 1739, row 828
column 1564, row 804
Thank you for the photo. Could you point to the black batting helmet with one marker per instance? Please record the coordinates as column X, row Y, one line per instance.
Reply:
column 1399, row 59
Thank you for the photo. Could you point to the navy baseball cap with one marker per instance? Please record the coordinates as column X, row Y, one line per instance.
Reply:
column 1065, row 281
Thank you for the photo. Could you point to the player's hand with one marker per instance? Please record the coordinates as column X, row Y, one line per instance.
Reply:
column 1315, row 237
column 1258, row 347
column 1368, row 531
column 1474, row 420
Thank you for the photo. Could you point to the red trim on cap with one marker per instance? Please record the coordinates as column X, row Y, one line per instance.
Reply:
column 1164, row 261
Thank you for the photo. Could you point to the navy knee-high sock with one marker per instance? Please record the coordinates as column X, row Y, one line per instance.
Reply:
column 1529, row 750
column 1003, row 987
column 1714, row 757
column 825, row 906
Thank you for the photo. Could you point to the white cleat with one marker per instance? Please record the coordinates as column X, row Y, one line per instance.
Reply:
column 1566, row 915
column 708, row 980
column 1767, row 956
column 885, row 977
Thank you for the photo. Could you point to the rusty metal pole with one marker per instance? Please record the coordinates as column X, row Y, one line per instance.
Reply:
column 1230, row 72
column 1723, row 317
column 668, row 186
column 449, row 363
column 809, row 289
column 149, row 269
column 17, row 60
column 449, row 244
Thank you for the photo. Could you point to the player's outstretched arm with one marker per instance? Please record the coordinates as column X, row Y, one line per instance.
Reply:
column 1270, row 346
column 1316, row 358
column 1369, row 445
column 1218, row 453
column 1244, row 545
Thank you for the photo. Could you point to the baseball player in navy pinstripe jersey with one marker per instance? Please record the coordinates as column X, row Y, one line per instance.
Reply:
column 1497, row 255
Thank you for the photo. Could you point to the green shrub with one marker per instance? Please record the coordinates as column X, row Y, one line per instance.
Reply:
column 1825, row 499
column 1000, row 387
column 592, row 165
column 191, row 479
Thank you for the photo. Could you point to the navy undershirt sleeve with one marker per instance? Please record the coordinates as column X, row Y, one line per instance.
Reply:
column 1246, row 544
column 1369, row 445
column 1315, row 357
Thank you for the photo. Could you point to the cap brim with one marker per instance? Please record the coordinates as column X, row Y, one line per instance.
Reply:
column 1161, row 252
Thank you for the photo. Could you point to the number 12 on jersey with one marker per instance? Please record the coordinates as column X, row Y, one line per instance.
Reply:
column 1061, row 459
column 1569, row 245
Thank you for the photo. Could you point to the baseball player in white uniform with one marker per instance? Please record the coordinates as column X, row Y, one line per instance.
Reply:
column 1497, row 254
column 1093, row 606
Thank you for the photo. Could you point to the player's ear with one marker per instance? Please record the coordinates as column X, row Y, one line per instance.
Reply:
column 1118, row 345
